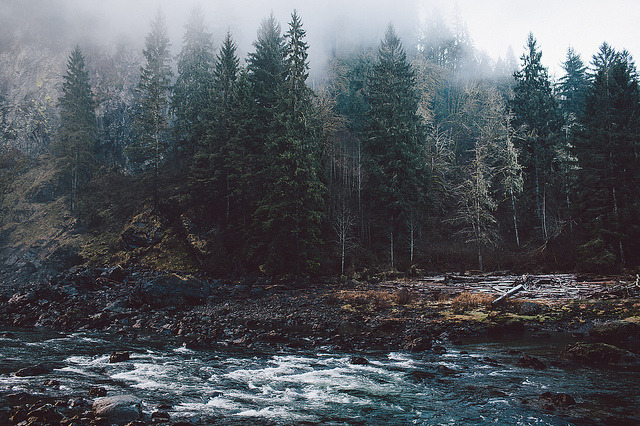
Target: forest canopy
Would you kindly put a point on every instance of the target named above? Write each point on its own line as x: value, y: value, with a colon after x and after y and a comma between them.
x: 425, y: 154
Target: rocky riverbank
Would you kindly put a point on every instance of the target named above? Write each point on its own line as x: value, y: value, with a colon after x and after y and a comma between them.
x: 261, y: 313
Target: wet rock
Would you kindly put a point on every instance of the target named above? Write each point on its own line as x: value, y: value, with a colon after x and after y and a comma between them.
x: 35, y: 370
x: 619, y: 333
x: 45, y: 414
x: 439, y: 350
x: 491, y: 361
x: 119, y: 356
x: 172, y: 290
x: 598, y: 354
x: 120, y: 409
x: 510, y: 326
x: 51, y: 383
x: 358, y: 360
x: 114, y: 273
x: 160, y: 416
x: 557, y: 400
x: 443, y: 370
x: 97, y: 392
x: 528, y: 361
x: 419, y: 344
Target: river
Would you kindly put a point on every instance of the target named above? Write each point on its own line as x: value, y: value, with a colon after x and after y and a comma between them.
x: 471, y: 383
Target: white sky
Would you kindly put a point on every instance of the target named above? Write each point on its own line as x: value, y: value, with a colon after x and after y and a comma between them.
x: 556, y: 24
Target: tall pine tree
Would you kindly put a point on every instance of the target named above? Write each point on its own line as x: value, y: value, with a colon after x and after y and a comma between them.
x: 153, y: 90
x: 288, y: 215
x: 77, y: 133
x: 393, y: 141
x: 536, y: 110
x: 607, y: 149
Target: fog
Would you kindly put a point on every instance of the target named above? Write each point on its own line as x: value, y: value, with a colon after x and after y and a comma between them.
x: 494, y: 25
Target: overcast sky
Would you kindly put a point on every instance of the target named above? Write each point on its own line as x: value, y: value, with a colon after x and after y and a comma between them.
x: 494, y: 25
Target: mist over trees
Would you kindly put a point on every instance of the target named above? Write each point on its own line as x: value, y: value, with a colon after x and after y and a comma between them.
x: 419, y: 152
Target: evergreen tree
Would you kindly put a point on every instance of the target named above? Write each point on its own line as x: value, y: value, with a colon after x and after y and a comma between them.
x: 393, y: 140
x: 289, y: 213
x: 193, y: 87
x: 77, y: 133
x: 536, y: 110
x: 211, y: 167
x: 608, y: 176
x: 572, y: 88
x: 153, y: 90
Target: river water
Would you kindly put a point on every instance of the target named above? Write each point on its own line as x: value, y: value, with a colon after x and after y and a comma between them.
x: 472, y: 383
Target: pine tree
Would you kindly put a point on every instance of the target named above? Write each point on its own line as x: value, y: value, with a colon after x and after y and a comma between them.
x: 608, y: 175
x: 77, y: 133
x: 572, y: 88
x: 153, y: 90
x: 193, y: 88
x: 393, y: 140
x: 290, y: 212
x: 536, y: 110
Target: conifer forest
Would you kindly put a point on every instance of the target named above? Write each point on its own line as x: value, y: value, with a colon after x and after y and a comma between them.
x: 405, y: 153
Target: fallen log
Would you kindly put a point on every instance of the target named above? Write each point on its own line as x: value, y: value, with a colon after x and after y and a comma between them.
x: 509, y: 293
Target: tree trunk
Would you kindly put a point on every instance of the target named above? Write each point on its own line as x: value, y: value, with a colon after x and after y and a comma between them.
x: 74, y: 178
x: 515, y: 219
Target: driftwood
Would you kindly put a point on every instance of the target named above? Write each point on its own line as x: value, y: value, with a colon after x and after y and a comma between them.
x: 543, y: 286
x: 509, y: 293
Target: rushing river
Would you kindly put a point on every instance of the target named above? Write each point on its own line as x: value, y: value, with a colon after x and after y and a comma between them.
x: 473, y: 383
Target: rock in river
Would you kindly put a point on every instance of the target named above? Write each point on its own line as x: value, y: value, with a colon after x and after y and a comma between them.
x: 120, y: 409
x: 35, y: 370
x: 119, y: 357
x: 598, y: 354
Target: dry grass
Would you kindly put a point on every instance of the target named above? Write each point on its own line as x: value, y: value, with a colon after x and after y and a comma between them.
x: 404, y: 296
x: 378, y: 299
x: 468, y: 300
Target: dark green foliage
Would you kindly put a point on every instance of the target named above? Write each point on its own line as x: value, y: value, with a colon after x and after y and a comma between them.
x: 572, y: 88
x: 285, y: 231
x: 608, y: 176
x: 192, y: 91
x: 153, y: 101
x: 393, y: 141
x: 536, y: 110
x: 77, y: 133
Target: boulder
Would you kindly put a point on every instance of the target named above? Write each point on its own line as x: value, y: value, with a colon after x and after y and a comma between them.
x: 119, y: 356
x: 619, y: 333
x: 119, y: 409
x: 144, y: 230
x: 419, y: 344
x: 557, y: 400
x: 528, y: 361
x: 358, y: 360
x: 598, y: 354
x: 114, y: 273
x: 35, y: 370
x: 172, y: 290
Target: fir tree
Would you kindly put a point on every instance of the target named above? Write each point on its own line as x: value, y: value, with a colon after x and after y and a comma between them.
x: 193, y: 88
x: 572, y: 89
x: 289, y: 213
x: 393, y: 140
x: 536, y: 110
x: 608, y: 172
x: 153, y: 90
x: 77, y: 133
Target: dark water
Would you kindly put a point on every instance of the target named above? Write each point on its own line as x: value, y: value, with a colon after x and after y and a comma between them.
x: 480, y: 386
